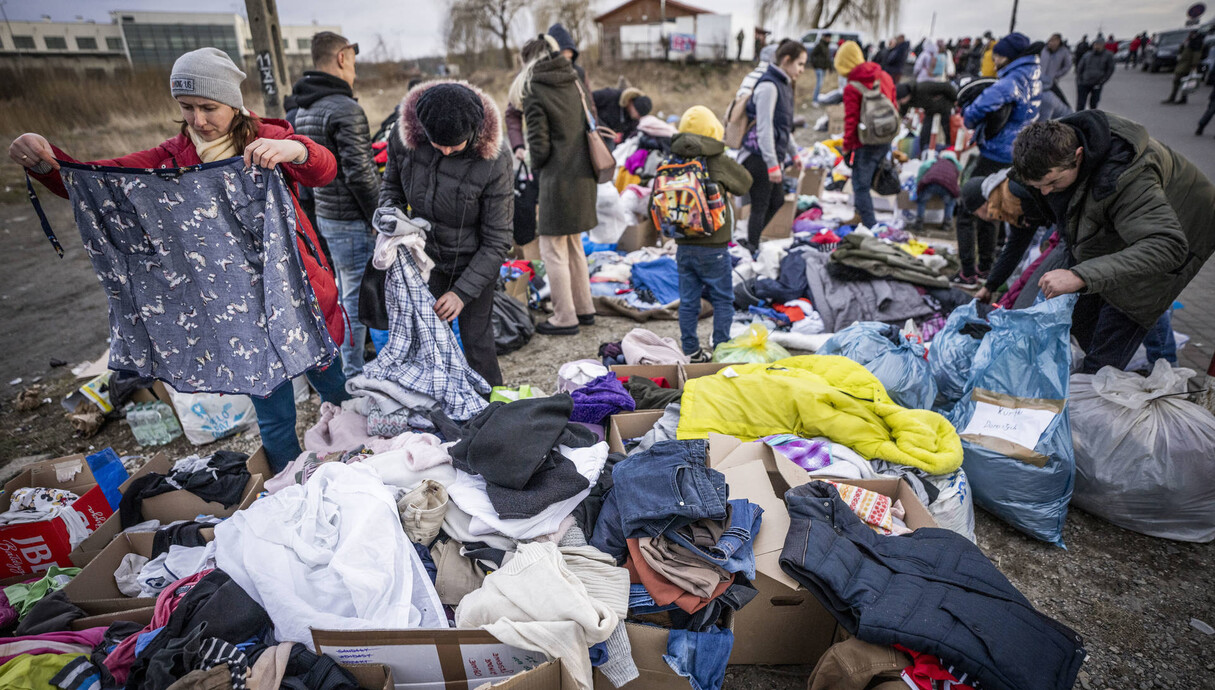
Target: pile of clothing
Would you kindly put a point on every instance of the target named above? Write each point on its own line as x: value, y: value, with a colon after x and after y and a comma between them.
x: 688, y: 549
x: 220, y: 477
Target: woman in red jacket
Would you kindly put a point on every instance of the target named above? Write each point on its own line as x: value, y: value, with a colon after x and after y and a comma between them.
x: 215, y: 125
x: 864, y: 159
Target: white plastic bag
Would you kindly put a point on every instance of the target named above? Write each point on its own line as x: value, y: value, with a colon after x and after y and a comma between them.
x: 1144, y: 453
x: 207, y: 417
x: 954, y: 507
x: 612, y: 217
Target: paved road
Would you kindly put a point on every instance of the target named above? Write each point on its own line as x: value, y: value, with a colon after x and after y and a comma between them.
x: 1136, y: 94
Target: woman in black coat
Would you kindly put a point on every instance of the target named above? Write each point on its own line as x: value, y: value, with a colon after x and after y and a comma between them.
x: 446, y: 165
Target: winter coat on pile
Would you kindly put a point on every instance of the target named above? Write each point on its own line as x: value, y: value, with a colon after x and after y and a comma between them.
x: 819, y: 395
x: 317, y: 170
x: 840, y: 301
x: 932, y: 591
x: 1139, y: 220
x: 1095, y: 68
x: 555, y: 113
x: 329, y: 115
x: 882, y: 260
x: 1019, y: 83
x: 732, y: 177
x: 868, y: 74
x: 467, y: 196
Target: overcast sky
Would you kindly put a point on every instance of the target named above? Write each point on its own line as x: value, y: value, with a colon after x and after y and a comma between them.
x: 410, y: 28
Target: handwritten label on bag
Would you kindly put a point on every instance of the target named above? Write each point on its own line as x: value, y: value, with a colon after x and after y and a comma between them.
x: 1020, y: 425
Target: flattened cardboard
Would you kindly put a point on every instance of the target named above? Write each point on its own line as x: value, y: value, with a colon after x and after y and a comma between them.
x: 371, y: 676
x: 622, y: 427
x: 35, y: 546
x: 429, y: 659
x: 650, y: 371
x: 552, y: 675
x: 781, y: 225
x: 784, y: 624
x: 687, y: 372
x: 95, y: 584
x: 635, y: 237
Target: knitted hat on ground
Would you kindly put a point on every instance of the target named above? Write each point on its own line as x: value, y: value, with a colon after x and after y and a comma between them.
x: 848, y: 57
x: 207, y: 73
x: 450, y: 113
x: 1012, y: 45
x: 700, y: 120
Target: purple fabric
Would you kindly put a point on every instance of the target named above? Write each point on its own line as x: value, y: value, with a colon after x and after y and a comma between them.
x: 601, y: 397
x: 808, y: 454
x: 636, y: 161
x: 8, y: 614
x: 800, y: 226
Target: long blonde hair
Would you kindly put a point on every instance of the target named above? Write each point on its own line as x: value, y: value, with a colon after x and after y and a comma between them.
x: 532, y: 52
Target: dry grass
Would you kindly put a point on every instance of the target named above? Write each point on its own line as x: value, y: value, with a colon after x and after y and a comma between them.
x: 102, y: 118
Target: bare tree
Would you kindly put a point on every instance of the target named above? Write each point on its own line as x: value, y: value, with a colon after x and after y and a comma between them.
x: 823, y: 14
x: 488, y: 17
x: 463, y: 29
x: 574, y: 15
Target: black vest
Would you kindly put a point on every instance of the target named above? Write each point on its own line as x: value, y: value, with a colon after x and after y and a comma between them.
x: 782, y: 116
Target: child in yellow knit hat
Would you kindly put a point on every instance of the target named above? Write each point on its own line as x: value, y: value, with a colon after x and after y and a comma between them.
x: 704, y: 262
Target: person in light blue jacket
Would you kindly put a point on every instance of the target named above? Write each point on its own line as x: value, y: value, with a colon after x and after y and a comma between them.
x: 1016, y: 93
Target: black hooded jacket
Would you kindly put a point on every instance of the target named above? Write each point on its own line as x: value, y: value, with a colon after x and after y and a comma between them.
x: 328, y: 114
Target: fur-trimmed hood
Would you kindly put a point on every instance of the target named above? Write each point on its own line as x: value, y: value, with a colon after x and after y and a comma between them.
x: 488, y: 140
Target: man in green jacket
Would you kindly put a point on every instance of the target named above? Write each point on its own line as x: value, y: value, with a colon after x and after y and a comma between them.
x: 820, y: 62
x: 1134, y: 215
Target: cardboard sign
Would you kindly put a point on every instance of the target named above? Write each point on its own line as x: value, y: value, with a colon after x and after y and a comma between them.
x: 1023, y: 426
x: 430, y: 659
x: 35, y: 546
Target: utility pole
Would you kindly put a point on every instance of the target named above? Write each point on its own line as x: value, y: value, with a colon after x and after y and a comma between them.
x: 1012, y: 25
x: 268, y: 53
x: 932, y: 28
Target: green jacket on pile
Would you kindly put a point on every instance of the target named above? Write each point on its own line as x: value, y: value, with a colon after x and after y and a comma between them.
x: 723, y: 170
x: 556, y: 144
x: 1140, y: 221
x: 882, y: 260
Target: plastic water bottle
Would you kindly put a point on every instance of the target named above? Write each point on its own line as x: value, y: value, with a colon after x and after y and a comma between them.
x: 152, y: 423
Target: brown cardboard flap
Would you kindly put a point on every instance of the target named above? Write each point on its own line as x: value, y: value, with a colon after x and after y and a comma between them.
x: 637, y: 236
x: 429, y: 658
x: 552, y: 675
x: 104, y: 620
x: 622, y: 427
x: 650, y: 371
x: 95, y: 584
x: 811, y: 182
x: 88, y: 549
x: 687, y: 372
x: 75, y: 473
x: 371, y: 676
x: 781, y: 225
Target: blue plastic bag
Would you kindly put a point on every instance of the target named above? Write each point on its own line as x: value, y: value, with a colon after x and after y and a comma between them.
x: 1024, y: 361
x: 896, y: 361
x: 109, y: 473
x: 951, y: 355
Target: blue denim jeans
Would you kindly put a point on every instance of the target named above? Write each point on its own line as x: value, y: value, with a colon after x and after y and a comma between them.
x: 818, y: 82
x: 351, y: 243
x: 276, y: 413
x: 734, y: 550
x: 701, y: 657
x: 702, y: 268
x: 941, y: 193
x: 1159, y: 341
x: 864, y: 166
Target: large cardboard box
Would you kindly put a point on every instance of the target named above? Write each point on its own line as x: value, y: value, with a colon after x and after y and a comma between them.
x: 371, y: 676
x: 627, y: 425
x: 35, y: 546
x: 430, y: 659
x: 98, y: 616
x: 649, y: 644
x: 552, y: 675
x: 643, y: 234
x: 784, y: 624
x: 174, y: 505
x: 904, y: 202
x: 781, y: 225
x: 95, y: 584
x: 811, y: 181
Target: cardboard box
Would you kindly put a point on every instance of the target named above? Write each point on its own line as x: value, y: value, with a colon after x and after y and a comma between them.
x: 687, y: 372
x: 904, y: 202
x: 627, y: 425
x: 643, y: 234
x: 371, y: 676
x: 670, y: 372
x: 811, y: 181
x: 781, y: 225
x: 430, y: 659
x: 835, y: 119
x: 784, y: 624
x: 95, y: 584
x: 172, y: 506
x: 35, y: 546
x: 517, y: 289
x: 551, y: 675
x: 99, y: 618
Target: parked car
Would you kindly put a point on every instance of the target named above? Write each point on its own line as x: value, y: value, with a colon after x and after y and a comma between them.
x: 811, y: 37
x: 1124, y: 52
x: 1162, y: 51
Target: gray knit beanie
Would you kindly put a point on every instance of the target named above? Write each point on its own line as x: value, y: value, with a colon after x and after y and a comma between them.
x: 209, y: 73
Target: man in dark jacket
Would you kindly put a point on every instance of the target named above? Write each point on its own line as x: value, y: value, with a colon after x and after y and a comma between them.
x: 446, y: 165
x: 1135, y: 217
x: 514, y: 116
x: 1093, y: 70
x: 896, y: 58
x: 621, y: 110
x: 974, y: 60
x: 328, y: 114
x: 1187, y: 60
x: 820, y: 62
x: 936, y: 98
x: 1081, y: 49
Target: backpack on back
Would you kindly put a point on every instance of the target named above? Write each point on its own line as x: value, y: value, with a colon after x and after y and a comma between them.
x: 736, y: 120
x: 685, y: 203
x: 879, y: 118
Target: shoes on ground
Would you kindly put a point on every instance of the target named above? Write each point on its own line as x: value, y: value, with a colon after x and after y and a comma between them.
x: 546, y: 328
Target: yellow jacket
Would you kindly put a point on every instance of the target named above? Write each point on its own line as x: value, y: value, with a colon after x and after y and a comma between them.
x: 818, y: 395
x: 988, y: 67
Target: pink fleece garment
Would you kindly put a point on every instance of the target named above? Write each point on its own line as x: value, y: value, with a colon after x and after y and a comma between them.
x: 66, y: 642
x: 119, y: 661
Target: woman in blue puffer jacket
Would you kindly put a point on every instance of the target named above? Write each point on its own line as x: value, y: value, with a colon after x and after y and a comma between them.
x: 1019, y: 84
